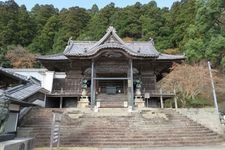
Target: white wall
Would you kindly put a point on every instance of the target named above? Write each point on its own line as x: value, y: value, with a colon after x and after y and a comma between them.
x: 48, y: 80
x: 43, y: 75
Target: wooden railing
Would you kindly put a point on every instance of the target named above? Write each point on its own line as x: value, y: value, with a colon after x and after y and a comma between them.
x: 152, y: 93
x: 66, y: 92
x: 160, y: 92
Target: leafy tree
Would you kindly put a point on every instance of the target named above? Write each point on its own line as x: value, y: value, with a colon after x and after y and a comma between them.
x: 196, y: 27
x: 99, y: 23
x: 128, y: 22
x: 94, y: 9
x: 9, y: 11
x: 40, y: 14
x: 44, y: 42
x: 25, y: 24
x: 216, y: 50
x: 72, y: 23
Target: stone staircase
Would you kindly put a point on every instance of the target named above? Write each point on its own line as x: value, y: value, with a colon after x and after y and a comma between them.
x: 148, y: 128
x: 112, y: 101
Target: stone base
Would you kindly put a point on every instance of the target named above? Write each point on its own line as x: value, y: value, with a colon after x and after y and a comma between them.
x: 130, y: 109
x: 98, y: 104
x: 96, y: 109
x: 125, y: 104
x: 18, y: 144
x: 84, y: 102
x: 139, y: 103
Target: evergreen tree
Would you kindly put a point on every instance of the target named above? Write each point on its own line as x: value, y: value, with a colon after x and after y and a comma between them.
x: 72, y: 23
x: 99, y: 23
x: 44, y: 42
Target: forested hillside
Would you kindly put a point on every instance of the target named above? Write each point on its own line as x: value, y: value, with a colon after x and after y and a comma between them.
x: 193, y: 27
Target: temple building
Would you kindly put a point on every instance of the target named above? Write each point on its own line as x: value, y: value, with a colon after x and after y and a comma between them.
x: 106, y: 73
x: 17, y: 95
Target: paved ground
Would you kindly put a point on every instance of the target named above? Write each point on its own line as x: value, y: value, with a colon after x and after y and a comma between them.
x: 172, y: 148
x: 214, y: 147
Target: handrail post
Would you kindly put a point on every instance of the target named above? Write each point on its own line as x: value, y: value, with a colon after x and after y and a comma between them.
x: 175, y: 98
x: 161, y: 99
x: 213, y: 88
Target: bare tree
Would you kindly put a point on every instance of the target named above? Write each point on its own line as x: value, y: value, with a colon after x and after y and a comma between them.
x: 190, y: 81
x: 20, y: 57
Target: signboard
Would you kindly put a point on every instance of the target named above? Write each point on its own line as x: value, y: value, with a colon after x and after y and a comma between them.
x: 55, y: 129
x: 147, y: 95
x: 129, y: 83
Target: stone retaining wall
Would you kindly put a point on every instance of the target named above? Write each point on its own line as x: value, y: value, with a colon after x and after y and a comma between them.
x: 204, y: 116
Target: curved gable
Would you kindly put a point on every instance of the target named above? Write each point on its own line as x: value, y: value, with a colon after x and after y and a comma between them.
x: 111, y: 41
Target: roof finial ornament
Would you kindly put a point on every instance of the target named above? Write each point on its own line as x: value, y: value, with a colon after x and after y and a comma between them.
x: 152, y: 41
x: 111, y: 28
x: 70, y: 41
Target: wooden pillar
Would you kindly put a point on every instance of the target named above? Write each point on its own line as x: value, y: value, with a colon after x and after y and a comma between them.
x: 45, y: 99
x: 175, y: 99
x: 61, y: 99
x: 92, y: 85
x: 61, y: 102
x: 161, y: 99
x: 130, y: 84
x: 124, y: 86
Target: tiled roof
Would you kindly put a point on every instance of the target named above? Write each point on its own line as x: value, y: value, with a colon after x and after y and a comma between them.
x: 15, y: 101
x: 29, y: 87
x: 13, y: 74
x: 23, y: 91
x: 160, y: 57
x: 59, y: 56
x: 143, y: 49
x: 113, y: 41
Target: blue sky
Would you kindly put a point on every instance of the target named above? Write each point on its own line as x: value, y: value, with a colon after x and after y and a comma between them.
x: 88, y: 3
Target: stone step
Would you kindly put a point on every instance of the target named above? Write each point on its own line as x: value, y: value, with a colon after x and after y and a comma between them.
x: 116, y: 127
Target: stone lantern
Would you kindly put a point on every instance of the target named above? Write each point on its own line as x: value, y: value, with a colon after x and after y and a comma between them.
x: 139, y: 102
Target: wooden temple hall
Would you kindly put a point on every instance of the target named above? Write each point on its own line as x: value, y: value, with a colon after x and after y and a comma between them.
x: 107, y: 73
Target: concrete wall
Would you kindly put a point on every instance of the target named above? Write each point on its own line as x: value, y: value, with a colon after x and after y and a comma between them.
x: 204, y: 116
x: 48, y: 80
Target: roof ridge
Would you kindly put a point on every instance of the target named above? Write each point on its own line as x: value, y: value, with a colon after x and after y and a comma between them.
x: 77, y: 41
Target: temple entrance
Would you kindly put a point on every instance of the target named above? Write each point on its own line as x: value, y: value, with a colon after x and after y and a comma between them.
x: 111, y: 87
x: 111, y: 93
x: 111, y: 75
